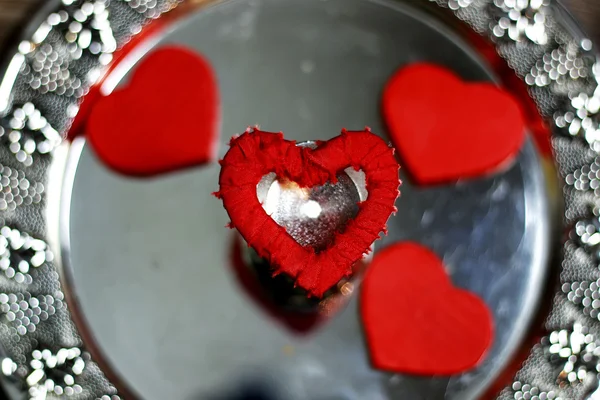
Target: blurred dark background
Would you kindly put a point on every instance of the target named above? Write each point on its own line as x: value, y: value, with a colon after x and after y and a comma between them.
x: 588, y: 13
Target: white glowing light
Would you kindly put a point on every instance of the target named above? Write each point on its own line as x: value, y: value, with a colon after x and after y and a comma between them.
x: 7, y: 83
x: 35, y: 377
x: 311, y: 209
x: 272, y: 201
x: 594, y: 239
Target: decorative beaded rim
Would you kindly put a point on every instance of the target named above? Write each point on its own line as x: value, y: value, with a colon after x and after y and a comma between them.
x: 52, y: 69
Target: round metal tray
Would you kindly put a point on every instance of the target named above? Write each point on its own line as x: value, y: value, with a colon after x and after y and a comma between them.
x: 144, y: 265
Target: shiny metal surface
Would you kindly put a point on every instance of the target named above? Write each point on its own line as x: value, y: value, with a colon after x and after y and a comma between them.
x: 312, y: 216
x: 151, y: 258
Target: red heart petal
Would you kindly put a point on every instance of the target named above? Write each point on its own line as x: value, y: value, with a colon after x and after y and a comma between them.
x: 446, y: 129
x: 415, y: 321
x: 163, y: 120
x: 256, y: 154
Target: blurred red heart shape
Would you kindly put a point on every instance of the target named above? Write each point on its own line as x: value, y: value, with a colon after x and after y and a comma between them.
x: 446, y: 129
x: 164, y: 120
x: 415, y: 321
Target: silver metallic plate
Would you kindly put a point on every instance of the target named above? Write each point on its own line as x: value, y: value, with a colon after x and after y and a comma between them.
x: 147, y: 300
x: 319, y: 66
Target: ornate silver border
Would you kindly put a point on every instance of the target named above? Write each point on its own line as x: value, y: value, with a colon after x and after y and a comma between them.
x: 54, y: 67
x: 41, y: 88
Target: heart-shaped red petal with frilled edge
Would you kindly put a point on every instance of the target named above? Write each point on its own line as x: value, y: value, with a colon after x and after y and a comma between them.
x: 255, y: 154
x: 446, y: 129
x: 415, y: 321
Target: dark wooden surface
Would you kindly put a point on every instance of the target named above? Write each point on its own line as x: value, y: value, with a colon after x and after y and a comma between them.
x: 12, y: 13
x: 588, y: 14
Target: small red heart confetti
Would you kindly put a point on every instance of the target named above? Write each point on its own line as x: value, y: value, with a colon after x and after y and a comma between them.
x: 446, y: 129
x: 255, y: 154
x: 415, y: 321
x: 163, y: 120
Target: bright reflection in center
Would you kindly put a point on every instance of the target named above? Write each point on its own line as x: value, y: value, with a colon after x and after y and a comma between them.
x: 272, y: 201
x: 290, y: 193
x: 311, y: 209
